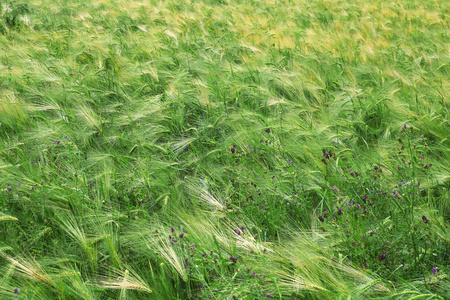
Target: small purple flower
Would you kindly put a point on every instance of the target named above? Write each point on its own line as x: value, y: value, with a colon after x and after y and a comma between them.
x: 57, y: 142
x: 435, y: 269
x: 268, y: 130
x: 32, y: 161
x: 181, y: 235
x: 364, y: 198
x: 254, y: 274
x: 339, y: 211
x: 400, y: 184
x: 321, y: 219
x: 334, y: 188
x: 268, y: 296
x: 9, y: 187
x: 204, y: 254
x: 200, y: 288
x: 394, y: 192
x: 233, y: 150
x: 233, y: 259
x: 16, y: 290
x: 382, y: 256
x: 171, y: 229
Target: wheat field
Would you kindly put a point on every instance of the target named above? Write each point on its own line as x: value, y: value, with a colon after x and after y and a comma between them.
x: 224, y: 149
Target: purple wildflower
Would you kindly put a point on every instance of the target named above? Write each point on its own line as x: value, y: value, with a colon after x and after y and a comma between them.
x: 32, y: 161
x: 16, y: 290
x: 233, y: 259
x: 204, y: 254
x: 254, y: 274
x: 364, y: 198
x: 435, y: 269
x: 382, y: 256
x: 268, y: 130
x: 181, y: 235
x: 268, y: 296
x: 9, y: 187
x: 171, y: 229
x: 321, y: 219
x: 335, y: 188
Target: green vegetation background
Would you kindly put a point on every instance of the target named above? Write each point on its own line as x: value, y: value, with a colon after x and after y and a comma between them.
x: 124, y: 122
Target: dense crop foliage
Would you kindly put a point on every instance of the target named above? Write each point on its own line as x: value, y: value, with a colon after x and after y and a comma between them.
x: 224, y: 149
